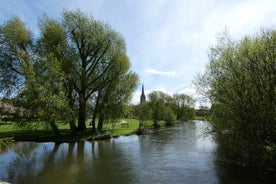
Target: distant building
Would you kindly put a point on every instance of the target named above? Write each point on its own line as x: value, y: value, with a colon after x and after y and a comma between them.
x: 143, y: 96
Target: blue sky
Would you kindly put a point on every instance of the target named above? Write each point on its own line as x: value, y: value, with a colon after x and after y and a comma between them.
x: 167, y: 40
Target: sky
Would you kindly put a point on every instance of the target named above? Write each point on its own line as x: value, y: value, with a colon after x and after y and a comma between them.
x: 167, y: 40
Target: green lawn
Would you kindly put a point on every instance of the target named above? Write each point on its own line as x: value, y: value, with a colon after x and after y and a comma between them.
x: 38, y: 132
x: 119, y: 129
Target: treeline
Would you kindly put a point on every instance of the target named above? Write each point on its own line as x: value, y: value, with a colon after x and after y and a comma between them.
x: 240, y: 82
x: 75, y: 67
x: 164, y: 107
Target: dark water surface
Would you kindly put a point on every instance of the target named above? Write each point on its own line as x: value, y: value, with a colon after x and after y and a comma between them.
x: 179, y: 154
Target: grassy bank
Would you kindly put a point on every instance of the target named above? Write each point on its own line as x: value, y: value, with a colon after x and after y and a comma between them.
x: 40, y: 133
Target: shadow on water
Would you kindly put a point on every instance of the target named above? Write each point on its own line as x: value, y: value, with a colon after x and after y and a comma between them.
x: 230, y: 173
x: 179, y: 154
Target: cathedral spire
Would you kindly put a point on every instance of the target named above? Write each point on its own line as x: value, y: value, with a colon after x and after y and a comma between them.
x: 143, y: 96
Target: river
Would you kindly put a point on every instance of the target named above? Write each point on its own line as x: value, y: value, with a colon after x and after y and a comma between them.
x: 184, y: 153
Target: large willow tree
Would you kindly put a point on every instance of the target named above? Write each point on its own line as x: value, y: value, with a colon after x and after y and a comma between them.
x: 97, y: 49
x: 72, y: 61
x: 240, y: 81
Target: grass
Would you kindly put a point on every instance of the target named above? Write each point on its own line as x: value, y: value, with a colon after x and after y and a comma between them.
x: 118, y: 129
x: 38, y: 132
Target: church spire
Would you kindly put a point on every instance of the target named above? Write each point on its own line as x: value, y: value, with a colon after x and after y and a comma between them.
x: 143, y: 96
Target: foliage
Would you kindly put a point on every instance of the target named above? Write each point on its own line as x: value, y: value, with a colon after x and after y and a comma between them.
x: 142, y: 111
x: 99, y: 59
x: 15, y: 56
x: 164, y: 107
x: 240, y: 81
x: 115, y: 95
x: 183, y: 106
x: 6, y: 142
x: 74, y: 60
x: 169, y: 116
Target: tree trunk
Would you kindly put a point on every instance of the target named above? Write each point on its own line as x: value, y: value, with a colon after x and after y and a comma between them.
x: 82, y: 113
x: 100, y: 123
x: 55, y: 128
x: 95, y: 112
x: 73, y: 126
x: 93, y: 122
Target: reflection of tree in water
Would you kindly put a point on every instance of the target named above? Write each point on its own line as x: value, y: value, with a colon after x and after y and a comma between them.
x: 41, y: 166
x: 26, y: 165
x: 25, y: 148
x: 82, y: 162
x: 110, y: 164
x: 60, y: 166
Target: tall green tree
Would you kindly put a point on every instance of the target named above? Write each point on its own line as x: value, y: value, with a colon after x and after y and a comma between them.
x: 116, y: 98
x: 95, y: 46
x: 16, y: 61
x: 240, y: 81
x: 71, y: 62
x: 34, y: 78
x: 53, y: 44
x: 111, y: 99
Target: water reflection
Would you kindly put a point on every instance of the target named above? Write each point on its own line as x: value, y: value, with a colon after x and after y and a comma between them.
x: 180, y: 154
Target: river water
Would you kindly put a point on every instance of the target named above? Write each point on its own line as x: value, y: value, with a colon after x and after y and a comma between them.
x: 180, y: 154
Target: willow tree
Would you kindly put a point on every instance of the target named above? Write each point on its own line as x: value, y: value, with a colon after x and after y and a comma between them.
x: 54, y: 75
x: 112, y: 99
x: 95, y: 46
x: 53, y: 43
x: 240, y: 81
x: 31, y: 78
x: 16, y: 51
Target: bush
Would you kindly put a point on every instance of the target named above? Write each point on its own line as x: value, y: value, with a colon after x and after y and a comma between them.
x: 169, y: 117
x: 241, y: 83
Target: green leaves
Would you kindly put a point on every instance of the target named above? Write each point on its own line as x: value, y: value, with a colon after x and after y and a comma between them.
x: 72, y: 61
x: 240, y: 81
x: 162, y: 106
x: 15, y: 55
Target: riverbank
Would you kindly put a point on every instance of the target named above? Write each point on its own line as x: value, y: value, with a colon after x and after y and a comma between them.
x: 38, y: 133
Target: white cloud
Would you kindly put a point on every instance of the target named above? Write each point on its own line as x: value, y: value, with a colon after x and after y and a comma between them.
x: 191, y: 91
x: 158, y: 72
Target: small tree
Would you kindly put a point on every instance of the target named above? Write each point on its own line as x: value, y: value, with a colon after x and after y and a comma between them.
x: 157, y: 106
x: 183, y: 107
x: 169, y: 116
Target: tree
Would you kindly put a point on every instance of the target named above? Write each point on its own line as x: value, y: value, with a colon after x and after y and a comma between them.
x: 16, y: 49
x: 34, y: 77
x: 142, y: 112
x: 183, y: 107
x: 112, y: 98
x: 53, y: 43
x: 240, y: 81
x: 95, y: 46
x: 157, y: 106
x: 170, y: 108
x: 169, y: 116
x: 72, y: 62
